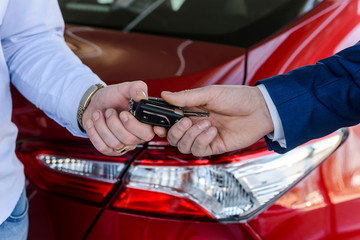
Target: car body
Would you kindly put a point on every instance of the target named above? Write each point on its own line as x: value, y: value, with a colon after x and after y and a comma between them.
x: 155, y: 192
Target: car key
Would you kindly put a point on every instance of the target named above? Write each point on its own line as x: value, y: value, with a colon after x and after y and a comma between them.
x: 157, y: 112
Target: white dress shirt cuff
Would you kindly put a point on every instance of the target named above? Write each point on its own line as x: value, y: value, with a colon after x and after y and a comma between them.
x: 278, y: 134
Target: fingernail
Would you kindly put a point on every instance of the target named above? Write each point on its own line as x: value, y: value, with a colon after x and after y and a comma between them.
x: 166, y: 92
x: 89, y: 124
x: 184, y: 124
x: 96, y: 115
x: 124, y: 117
x: 210, y: 131
x: 203, y: 125
x: 142, y: 93
x: 108, y: 113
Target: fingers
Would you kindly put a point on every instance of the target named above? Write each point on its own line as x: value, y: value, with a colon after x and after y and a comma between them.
x: 110, y: 134
x: 96, y: 140
x: 160, y: 131
x: 114, y: 134
x: 138, y: 90
x: 142, y: 131
x: 117, y: 96
x: 202, y: 143
x: 177, y: 131
x: 189, y: 98
x: 195, y: 139
x: 186, y: 142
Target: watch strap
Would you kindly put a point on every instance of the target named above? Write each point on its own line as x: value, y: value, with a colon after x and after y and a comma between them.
x: 84, y: 102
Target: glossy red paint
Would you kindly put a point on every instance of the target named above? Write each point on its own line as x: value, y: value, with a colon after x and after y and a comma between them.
x: 117, y: 56
x: 150, y: 228
x: 302, y: 213
x: 315, y: 36
x: 56, y: 217
x: 343, y: 187
x: 321, y: 206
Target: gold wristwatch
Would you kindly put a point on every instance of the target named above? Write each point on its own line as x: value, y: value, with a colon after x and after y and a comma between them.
x: 84, y: 102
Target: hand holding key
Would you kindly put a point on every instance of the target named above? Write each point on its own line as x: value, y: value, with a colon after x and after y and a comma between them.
x: 157, y: 112
x: 238, y: 118
x: 109, y: 125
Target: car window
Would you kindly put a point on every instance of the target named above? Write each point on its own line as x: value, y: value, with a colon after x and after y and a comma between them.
x: 237, y: 22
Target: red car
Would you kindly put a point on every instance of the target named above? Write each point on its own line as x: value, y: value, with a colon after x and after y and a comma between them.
x: 155, y: 192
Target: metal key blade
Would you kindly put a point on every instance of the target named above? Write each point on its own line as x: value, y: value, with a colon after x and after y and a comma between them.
x: 192, y: 113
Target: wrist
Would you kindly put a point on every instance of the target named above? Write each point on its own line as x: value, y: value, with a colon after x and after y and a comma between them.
x: 268, y: 122
x: 277, y: 134
x: 85, y: 101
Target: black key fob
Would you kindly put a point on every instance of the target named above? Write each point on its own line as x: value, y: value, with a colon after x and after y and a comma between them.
x: 156, y: 112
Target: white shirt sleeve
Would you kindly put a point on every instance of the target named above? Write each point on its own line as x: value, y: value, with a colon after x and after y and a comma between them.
x: 40, y: 64
x: 278, y: 134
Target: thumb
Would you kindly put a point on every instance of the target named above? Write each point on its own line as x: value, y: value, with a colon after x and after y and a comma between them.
x: 138, y: 90
x: 188, y: 98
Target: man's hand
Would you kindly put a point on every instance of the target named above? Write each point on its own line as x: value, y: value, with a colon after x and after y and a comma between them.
x: 238, y: 118
x: 108, y: 123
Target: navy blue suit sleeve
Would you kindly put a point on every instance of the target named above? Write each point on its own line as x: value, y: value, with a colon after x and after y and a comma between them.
x: 316, y: 100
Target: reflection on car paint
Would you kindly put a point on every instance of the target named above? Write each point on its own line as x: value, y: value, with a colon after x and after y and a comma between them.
x: 91, y: 49
x: 180, y: 50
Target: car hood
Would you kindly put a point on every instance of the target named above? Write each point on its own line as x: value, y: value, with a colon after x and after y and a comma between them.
x: 163, y: 63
